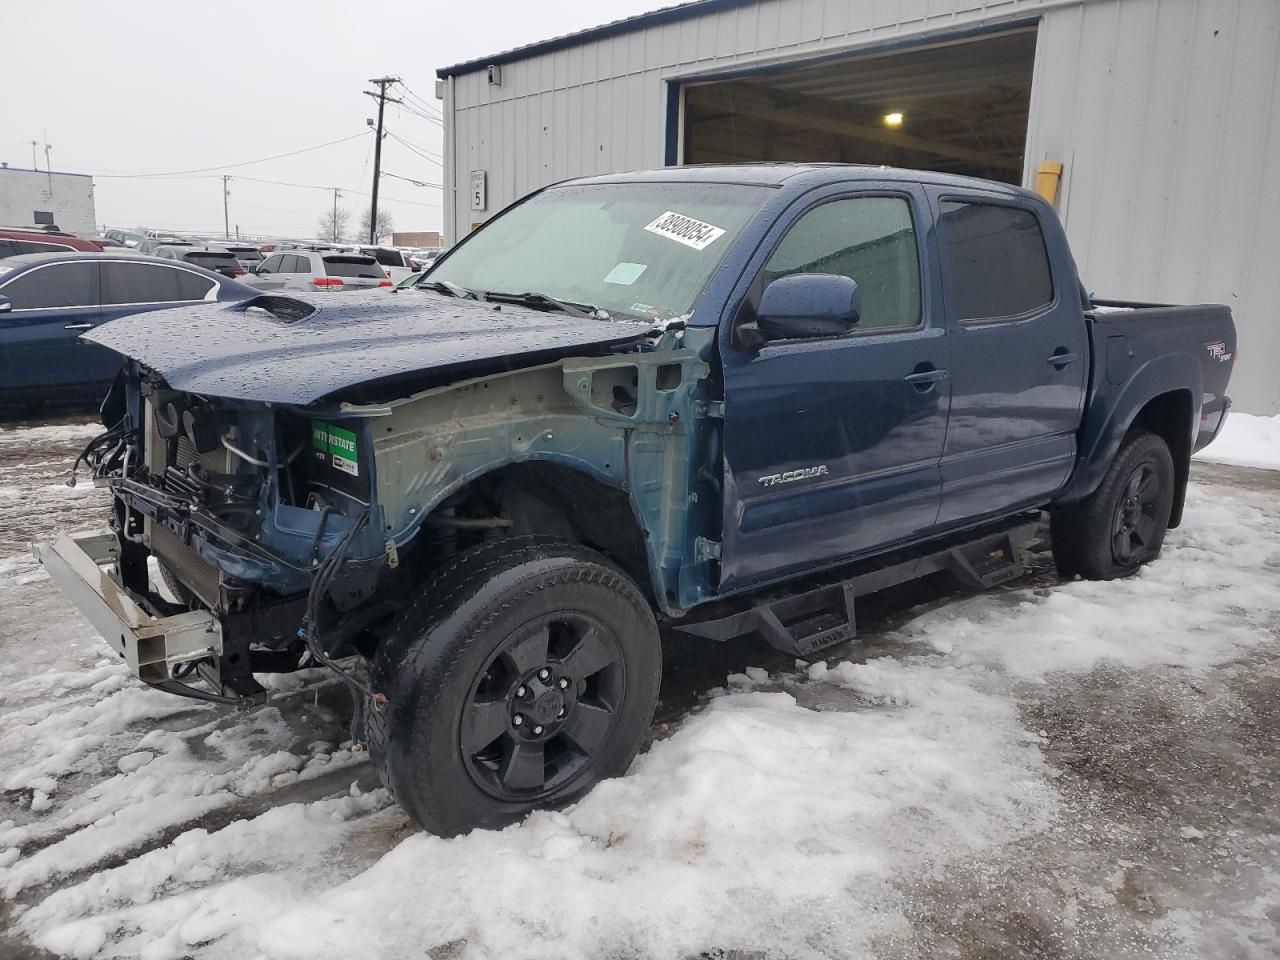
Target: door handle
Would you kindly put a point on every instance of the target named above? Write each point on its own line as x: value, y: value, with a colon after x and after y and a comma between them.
x: 78, y: 326
x: 925, y: 377
x: 1060, y: 359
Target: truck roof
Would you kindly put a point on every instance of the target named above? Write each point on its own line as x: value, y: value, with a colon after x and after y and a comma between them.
x: 798, y: 174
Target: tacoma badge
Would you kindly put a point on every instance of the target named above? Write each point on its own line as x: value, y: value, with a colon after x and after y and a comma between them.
x: 791, y: 476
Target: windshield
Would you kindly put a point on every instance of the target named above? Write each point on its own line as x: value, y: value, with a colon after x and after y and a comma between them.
x: 638, y: 250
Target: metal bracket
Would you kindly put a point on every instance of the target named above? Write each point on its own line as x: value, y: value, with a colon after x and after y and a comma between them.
x: 704, y: 549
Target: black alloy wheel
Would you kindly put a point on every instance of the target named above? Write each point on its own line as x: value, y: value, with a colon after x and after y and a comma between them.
x: 1136, y: 515
x: 543, y: 707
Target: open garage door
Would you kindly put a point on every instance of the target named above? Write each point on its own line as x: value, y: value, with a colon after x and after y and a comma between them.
x: 959, y: 107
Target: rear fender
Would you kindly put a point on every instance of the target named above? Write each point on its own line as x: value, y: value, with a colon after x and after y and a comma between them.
x: 1113, y: 409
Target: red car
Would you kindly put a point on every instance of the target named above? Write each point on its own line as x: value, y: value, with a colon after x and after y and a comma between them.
x: 15, y: 242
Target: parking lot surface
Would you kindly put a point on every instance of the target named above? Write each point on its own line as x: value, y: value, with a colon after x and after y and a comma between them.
x: 1057, y: 770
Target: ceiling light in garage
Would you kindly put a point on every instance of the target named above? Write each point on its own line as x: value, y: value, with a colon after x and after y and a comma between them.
x: 893, y: 120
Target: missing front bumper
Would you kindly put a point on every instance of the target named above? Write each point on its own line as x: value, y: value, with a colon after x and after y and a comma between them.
x: 152, y: 646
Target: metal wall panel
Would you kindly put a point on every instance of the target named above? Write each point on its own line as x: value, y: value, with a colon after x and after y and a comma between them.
x: 626, y: 122
x: 1165, y: 113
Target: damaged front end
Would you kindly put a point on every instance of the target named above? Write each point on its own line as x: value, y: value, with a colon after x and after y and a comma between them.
x: 259, y: 520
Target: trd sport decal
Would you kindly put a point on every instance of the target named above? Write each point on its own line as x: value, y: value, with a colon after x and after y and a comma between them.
x: 1218, y: 351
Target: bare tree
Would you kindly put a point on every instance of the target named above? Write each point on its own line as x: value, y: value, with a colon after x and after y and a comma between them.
x: 335, y: 223
x: 385, y: 226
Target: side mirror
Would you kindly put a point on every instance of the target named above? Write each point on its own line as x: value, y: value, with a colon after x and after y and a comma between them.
x: 6, y: 305
x: 806, y: 305
x: 254, y: 268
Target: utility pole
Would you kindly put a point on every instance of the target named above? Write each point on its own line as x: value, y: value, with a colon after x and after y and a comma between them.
x: 334, y: 224
x: 382, y: 98
x: 226, y: 218
x: 35, y: 164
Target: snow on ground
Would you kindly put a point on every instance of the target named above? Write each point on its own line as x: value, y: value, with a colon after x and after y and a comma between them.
x: 1246, y: 441
x: 948, y: 788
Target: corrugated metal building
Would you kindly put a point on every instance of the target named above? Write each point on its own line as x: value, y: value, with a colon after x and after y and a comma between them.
x: 1164, y: 114
x: 37, y: 198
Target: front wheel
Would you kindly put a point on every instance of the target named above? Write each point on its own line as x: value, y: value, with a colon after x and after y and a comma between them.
x: 526, y: 671
x: 1121, y: 525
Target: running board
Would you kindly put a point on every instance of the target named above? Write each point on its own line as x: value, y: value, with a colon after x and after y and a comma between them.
x: 821, y: 613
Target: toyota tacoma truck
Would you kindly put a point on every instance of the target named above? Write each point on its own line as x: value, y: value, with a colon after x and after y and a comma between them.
x: 724, y: 400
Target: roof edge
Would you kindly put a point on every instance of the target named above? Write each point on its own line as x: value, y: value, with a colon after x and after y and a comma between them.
x: 654, y: 18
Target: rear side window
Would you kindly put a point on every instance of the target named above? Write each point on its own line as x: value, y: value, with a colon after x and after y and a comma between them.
x: 997, y: 263
x: 60, y: 285
x: 353, y: 267
x: 150, y: 283
x: 872, y: 241
x: 298, y: 264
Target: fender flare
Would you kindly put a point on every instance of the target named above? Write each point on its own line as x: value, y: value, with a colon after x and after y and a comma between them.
x: 1110, y: 415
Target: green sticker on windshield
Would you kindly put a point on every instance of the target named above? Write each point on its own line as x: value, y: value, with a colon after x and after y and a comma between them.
x: 339, y: 444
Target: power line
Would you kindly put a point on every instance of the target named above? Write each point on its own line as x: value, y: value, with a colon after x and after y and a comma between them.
x: 226, y: 166
x: 409, y: 146
x: 416, y: 183
x: 421, y: 102
x: 417, y: 112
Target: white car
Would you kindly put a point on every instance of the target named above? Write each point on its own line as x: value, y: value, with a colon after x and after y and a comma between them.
x: 395, y: 263
x: 317, y: 270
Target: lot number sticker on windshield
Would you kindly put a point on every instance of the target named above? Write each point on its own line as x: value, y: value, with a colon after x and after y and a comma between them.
x: 686, y: 230
x: 339, y: 444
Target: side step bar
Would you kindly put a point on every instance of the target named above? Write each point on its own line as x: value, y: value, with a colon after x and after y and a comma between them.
x: 811, y: 619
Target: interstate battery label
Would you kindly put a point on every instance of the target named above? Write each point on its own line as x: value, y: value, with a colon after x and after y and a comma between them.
x: 338, y: 445
x: 686, y: 230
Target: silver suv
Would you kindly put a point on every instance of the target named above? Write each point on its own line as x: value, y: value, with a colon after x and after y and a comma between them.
x: 317, y: 270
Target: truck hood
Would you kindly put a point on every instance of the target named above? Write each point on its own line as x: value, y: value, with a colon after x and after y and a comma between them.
x: 253, y: 350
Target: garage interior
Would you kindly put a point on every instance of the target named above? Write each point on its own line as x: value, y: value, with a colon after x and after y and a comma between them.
x: 958, y: 107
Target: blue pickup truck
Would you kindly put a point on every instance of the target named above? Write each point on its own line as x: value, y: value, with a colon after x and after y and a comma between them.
x: 721, y: 400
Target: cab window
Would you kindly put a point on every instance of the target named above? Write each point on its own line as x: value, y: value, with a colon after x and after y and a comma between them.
x: 871, y: 240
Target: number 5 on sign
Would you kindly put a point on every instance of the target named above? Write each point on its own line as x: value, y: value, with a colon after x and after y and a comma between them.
x: 479, y: 191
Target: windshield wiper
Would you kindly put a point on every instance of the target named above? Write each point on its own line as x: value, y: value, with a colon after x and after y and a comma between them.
x: 449, y: 287
x: 583, y: 311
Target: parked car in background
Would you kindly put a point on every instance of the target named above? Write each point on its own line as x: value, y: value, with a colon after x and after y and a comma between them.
x: 162, y: 235
x: 392, y: 261
x: 317, y: 270
x: 18, y: 241
x: 247, y: 254
x: 126, y: 238
x: 47, y: 300
x: 152, y: 244
x: 210, y: 257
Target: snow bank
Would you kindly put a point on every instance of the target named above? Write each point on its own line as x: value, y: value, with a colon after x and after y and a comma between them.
x: 786, y: 820
x: 52, y: 433
x: 1246, y: 441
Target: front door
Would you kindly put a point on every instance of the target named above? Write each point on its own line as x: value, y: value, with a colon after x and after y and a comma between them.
x: 832, y: 444
x: 1019, y: 358
x: 41, y: 355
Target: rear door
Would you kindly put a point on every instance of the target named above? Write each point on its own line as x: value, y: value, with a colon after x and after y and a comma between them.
x: 831, y: 444
x: 40, y: 354
x: 1018, y: 355
x: 138, y: 287
x: 270, y: 275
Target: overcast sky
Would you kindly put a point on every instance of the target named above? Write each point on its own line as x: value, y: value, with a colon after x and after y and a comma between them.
x: 159, y: 87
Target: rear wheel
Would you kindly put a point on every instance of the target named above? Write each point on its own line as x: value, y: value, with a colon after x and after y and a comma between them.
x: 526, y: 672
x: 1122, y: 524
